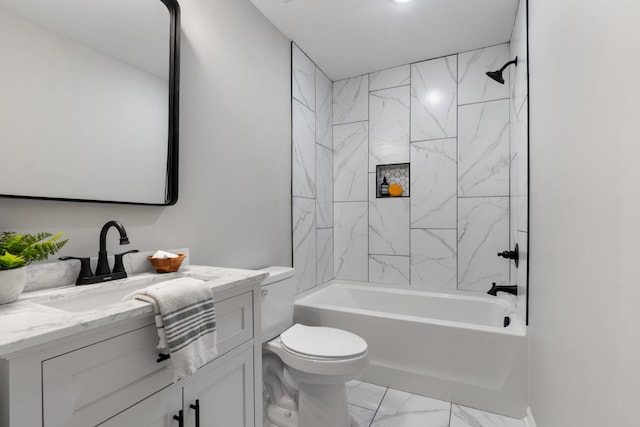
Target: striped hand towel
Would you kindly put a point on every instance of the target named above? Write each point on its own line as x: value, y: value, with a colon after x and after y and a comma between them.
x: 186, y: 322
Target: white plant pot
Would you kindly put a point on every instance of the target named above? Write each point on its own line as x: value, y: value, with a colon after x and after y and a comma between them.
x: 12, y: 284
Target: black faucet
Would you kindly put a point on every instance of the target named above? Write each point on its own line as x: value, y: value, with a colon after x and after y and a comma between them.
x: 103, y: 272
x: 510, y: 289
x: 103, y: 264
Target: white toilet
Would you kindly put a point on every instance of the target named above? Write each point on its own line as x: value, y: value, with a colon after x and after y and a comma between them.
x: 304, y: 367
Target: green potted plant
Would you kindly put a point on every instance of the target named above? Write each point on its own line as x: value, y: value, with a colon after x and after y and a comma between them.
x: 16, y: 252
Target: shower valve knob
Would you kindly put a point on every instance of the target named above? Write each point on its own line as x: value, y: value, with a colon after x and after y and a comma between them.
x: 514, y: 255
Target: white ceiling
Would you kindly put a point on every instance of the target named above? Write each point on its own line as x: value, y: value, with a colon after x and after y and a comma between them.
x: 347, y: 38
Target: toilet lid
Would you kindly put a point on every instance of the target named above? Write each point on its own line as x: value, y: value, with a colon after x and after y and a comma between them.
x: 319, y: 341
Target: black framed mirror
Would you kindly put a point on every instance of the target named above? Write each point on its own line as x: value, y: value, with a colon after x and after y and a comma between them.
x: 89, y: 105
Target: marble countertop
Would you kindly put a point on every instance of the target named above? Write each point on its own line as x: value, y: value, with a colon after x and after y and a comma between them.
x: 43, y: 316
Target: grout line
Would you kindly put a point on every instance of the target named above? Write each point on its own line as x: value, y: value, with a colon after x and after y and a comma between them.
x: 387, y: 88
x: 483, y: 102
x: 411, y: 201
x: 434, y: 139
x: 457, y: 173
x: 360, y: 406
x: 350, y: 123
x: 368, y: 177
x: 394, y: 255
x: 379, y: 405
x: 481, y: 197
x: 303, y: 197
x: 434, y: 228
x: 291, y: 148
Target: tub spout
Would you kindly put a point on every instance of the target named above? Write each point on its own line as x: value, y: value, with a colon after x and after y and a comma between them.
x: 510, y: 289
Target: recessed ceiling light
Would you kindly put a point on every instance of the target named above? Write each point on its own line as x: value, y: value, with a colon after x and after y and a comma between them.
x: 401, y: 1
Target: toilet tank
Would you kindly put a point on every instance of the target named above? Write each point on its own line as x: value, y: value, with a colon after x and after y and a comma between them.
x: 277, y: 297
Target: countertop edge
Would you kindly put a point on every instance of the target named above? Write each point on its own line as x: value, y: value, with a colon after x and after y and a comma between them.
x: 66, y: 324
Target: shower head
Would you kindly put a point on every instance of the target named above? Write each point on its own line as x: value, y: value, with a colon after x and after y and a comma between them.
x: 497, y: 75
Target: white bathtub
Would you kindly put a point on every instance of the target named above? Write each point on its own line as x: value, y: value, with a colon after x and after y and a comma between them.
x: 448, y: 346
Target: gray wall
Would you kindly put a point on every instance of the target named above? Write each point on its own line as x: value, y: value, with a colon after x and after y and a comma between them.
x: 235, y: 153
x: 584, y: 324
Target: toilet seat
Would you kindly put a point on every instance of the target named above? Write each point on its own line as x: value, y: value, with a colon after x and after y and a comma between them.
x: 349, y: 361
x: 322, y: 343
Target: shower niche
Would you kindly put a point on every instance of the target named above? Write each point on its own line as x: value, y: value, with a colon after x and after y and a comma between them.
x: 392, y: 180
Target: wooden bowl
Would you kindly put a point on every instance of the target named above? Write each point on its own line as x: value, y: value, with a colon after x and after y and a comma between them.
x: 167, y: 265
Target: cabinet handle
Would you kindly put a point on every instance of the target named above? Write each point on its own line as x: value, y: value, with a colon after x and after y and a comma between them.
x: 179, y: 418
x: 196, y: 407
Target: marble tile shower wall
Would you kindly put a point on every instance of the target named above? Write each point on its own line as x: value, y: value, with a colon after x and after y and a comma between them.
x: 519, y: 119
x: 312, y: 172
x: 451, y: 122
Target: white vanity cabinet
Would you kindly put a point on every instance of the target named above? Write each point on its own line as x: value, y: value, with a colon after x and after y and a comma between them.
x: 111, y: 377
x: 219, y: 395
x: 157, y: 410
x: 223, y: 394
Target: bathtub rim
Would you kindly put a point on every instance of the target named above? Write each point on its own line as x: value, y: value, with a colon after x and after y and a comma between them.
x: 516, y: 328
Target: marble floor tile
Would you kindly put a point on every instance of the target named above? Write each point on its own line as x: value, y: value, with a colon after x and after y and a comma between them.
x: 361, y: 416
x: 462, y: 416
x: 365, y: 395
x: 401, y: 409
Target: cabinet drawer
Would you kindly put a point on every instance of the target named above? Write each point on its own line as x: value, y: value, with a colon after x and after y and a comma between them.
x: 234, y: 321
x: 89, y: 385
x: 86, y: 386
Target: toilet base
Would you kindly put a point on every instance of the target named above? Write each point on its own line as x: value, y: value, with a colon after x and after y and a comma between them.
x: 323, y: 405
x: 311, y: 389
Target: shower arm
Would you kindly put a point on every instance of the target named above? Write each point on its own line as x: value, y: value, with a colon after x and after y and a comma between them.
x: 514, y: 62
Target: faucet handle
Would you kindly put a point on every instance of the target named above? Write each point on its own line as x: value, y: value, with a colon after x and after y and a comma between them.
x: 118, y: 266
x: 85, y: 265
x: 514, y: 255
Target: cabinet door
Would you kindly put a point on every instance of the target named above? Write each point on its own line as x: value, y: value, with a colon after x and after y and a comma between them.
x: 224, y: 392
x: 157, y: 410
x: 89, y: 385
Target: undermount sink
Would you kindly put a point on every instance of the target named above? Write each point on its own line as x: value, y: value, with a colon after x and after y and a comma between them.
x: 92, y: 297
